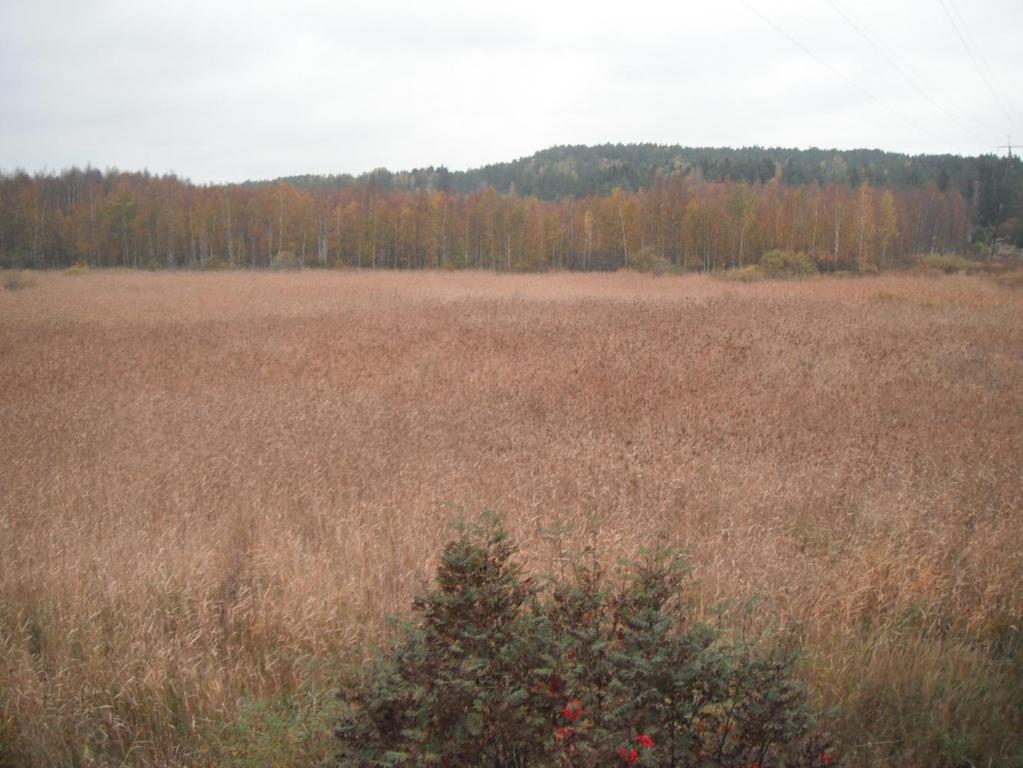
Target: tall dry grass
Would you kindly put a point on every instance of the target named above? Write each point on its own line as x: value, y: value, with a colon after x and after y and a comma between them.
x: 215, y: 488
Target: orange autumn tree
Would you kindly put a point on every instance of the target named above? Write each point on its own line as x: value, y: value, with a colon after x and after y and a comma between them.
x: 685, y: 222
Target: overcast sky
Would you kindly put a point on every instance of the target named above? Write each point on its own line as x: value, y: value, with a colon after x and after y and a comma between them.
x: 227, y: 91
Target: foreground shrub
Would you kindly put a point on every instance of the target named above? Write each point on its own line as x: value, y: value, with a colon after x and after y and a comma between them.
x: 496, y: 671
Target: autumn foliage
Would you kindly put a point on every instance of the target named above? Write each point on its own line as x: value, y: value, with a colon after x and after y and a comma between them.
x: 682, y: 223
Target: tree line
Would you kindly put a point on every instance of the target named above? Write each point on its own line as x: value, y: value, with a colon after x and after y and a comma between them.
x: 685, y: 220
x: 992, y: 185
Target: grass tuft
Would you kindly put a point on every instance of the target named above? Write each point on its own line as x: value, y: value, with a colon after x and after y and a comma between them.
x: 15, y: 280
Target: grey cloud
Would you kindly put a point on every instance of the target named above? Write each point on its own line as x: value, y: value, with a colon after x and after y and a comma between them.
x: 232, y: 90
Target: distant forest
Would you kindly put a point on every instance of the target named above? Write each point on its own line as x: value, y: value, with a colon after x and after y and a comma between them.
x: 564, y: 208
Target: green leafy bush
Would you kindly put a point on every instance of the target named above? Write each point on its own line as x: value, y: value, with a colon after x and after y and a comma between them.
x: 498, y: 671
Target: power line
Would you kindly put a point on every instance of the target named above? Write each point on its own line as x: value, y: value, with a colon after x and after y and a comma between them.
x: 983, y: 59
x: 836, y: 71
x: 976, y: 64
x: 875, y: 42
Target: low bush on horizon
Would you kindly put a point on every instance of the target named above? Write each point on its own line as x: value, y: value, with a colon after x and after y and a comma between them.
x: 216, y: 264
x: 285, y: 260
x: 748, y: 274
x: 500, y: 671
x: 949, y: 263
x: 780, y: 263
x: 649, y: 261
x: 773, y: 265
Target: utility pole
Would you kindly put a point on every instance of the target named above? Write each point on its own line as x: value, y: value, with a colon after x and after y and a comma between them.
x: 1007, y: 146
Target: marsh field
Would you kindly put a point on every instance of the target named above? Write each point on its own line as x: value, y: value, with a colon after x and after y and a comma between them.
x: 216, y: 488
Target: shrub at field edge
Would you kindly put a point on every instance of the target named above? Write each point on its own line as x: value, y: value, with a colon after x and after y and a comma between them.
x: 498, y: 671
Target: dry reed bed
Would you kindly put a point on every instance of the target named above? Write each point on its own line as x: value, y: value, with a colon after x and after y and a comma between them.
x: 208, y: 481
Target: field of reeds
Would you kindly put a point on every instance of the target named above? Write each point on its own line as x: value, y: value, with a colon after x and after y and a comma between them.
x: 216, y: 488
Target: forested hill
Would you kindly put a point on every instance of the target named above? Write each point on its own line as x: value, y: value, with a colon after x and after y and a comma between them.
x: 580, y: 171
